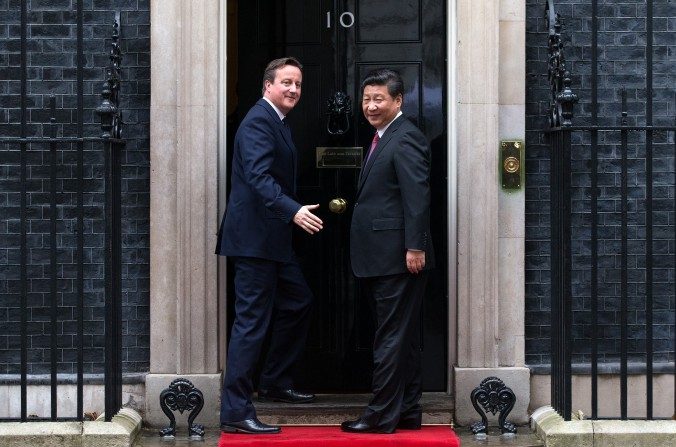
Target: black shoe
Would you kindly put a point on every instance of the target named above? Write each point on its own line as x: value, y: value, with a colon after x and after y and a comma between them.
x: 360, y: 426
x: 410, y: 422
x: 251, y: 426
x: 411, y: 419
x: 288, y: 396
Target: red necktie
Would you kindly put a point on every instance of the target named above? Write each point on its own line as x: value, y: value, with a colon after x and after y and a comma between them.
x: 374, y: 143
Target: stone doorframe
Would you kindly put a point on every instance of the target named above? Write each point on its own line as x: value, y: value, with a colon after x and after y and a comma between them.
x: 486, y: 103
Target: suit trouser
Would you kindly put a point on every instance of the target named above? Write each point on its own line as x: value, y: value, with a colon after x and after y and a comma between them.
x: 262, y: 286
x: 397, y: 382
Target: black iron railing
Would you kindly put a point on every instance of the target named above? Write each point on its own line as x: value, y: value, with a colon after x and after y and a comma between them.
x: 581, y: 145
x: 108, y: 147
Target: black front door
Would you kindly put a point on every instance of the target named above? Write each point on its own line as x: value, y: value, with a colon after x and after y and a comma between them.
x: 338, y: 42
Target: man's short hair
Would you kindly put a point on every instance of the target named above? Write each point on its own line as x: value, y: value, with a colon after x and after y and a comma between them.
x: 385, y: 76
x: 273, y: 66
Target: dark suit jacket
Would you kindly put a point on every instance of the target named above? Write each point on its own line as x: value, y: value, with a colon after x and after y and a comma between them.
x: 392, y: 206
x: 258, y: 218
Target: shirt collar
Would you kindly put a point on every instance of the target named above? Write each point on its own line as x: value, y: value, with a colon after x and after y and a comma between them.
x: 382, y: 131
x: 274, y: 107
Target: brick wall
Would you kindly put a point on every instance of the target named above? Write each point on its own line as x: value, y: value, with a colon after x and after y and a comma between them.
x: 52, y: 70
x: 622, y: 63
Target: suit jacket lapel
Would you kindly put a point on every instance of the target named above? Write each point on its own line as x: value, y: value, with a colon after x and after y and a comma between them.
x: 382, y: 146
x: 284, y: 130
x: 286, y: 134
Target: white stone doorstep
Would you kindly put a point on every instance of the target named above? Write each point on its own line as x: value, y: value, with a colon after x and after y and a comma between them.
x: 555, y: 432
x: 120, y: 432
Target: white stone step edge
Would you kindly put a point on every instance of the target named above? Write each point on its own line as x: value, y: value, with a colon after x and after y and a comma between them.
x: 122, y: 431
x: 554, y: 431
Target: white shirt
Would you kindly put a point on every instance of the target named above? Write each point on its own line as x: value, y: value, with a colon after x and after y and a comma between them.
x: 382, y: 131
x: 274, y: 107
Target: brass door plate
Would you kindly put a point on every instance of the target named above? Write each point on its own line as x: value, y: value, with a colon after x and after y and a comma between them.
x: 339, y: 157
x: 511, y: 164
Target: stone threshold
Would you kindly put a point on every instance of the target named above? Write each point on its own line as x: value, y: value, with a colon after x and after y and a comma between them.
x: 70, y: 379
x: 523, y: 438
x: 330, y: 409
x: 122, y: 431
x: 555, y: 432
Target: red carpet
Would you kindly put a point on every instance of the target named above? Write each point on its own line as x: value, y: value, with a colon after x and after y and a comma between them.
x: 331, y: 436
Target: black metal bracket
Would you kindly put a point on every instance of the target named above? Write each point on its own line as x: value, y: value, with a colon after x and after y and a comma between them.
x: 109, y: 109
x: 562, y: 98
x: 182, y: 396
x: 493, y: 396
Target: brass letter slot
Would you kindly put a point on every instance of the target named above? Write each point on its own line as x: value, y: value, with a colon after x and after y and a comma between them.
x: 339, y: 157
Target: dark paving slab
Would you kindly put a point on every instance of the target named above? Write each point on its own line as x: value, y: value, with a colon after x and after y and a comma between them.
x: 523, y: 438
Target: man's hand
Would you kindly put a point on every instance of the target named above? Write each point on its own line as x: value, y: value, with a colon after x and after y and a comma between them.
x: 308, y: 221
x: 415, y: 260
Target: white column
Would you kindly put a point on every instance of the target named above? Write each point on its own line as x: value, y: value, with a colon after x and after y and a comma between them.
x: 511, y: 215
x: 491, y: 98
x: 183, y: 210
x: 477, y: 182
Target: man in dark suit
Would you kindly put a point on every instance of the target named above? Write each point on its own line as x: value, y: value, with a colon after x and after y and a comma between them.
x: 256, y: 234
x: 391, y: 252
